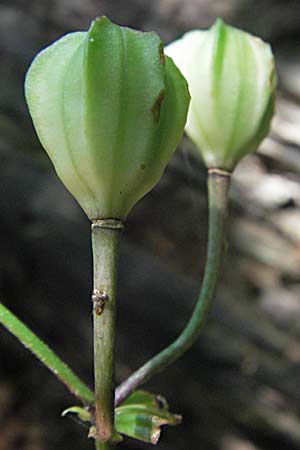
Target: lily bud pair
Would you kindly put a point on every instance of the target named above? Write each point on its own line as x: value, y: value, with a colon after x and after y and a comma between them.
x: 110, y: 108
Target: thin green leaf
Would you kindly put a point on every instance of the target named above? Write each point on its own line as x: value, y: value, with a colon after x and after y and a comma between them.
x: 44, y: 353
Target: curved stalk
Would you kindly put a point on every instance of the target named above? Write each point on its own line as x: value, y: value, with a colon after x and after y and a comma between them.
x: 218, y: 185
x: 45, y: 355
x: 105, y: 240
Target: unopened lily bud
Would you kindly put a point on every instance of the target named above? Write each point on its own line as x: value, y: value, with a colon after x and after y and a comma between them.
x: 109, y: 108
x: 231, y: 78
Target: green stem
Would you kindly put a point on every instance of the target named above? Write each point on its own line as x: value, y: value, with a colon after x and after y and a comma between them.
x: 45, y: 355
x: 102, y: 445
x: 218, y: 185
x: 105, y: 240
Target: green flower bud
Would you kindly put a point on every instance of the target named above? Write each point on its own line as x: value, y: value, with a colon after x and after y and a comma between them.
x: 109, y: 108
x: 231, y: 77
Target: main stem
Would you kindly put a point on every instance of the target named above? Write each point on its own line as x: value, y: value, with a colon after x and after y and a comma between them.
x: 218, y: 185
x: 105, y: 241
x: 102, y: 445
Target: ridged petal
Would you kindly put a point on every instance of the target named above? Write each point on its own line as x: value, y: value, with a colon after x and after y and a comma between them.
x: 110, y: 111
x: 231, y: 79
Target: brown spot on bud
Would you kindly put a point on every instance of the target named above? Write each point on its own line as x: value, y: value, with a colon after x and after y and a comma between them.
x: 161, y: 53
x: 156, y: 108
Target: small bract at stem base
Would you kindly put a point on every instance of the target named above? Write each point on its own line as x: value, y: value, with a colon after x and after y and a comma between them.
x: 105, y: 242
x: 218, y: 186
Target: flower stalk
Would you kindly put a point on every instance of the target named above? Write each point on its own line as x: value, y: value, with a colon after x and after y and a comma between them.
x: 218, y: 186
x: 105, y: 242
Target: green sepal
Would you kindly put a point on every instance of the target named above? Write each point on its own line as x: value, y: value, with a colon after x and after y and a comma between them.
x: 142, y: 415
x: 83, y: 413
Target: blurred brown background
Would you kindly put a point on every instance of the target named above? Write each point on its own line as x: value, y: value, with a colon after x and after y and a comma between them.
x: 239, y: 388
